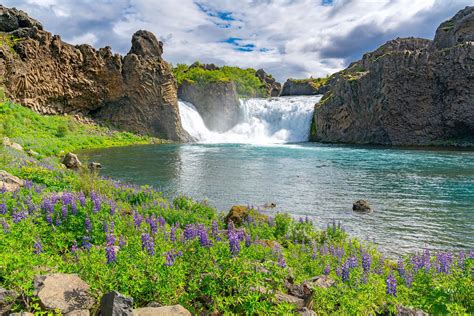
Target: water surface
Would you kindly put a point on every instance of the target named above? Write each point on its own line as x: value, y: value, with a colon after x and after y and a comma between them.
x: 422, y: 198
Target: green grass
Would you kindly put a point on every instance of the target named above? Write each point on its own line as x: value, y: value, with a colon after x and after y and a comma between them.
x: 50, y: 135
x: 247, y: 84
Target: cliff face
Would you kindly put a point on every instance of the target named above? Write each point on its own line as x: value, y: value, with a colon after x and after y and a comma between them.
x: 272, y: 87
x: 136, y: 92
x: 216, y: 102
x: 408, y: 92
x: 303, y: 87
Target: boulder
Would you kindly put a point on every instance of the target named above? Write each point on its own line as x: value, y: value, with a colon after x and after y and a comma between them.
x: 12, y: 19
x: 71, y: 161
x: 161, y: 311
x: 361, y: 206
x: 115, y: 304
x: 79, y: 312
x: 237, y: 214
x: 7, y: 298
x: 16, y: 146
x: 32, y: 153
x: 8, y: 182
x: 22, y: 314
x: 64, y: 292
x: 299, y: 303
x: 6, y: 142
x: 322, y: 281
x: 94, y: 166
x: 408, y: 311
x: 307, y: 312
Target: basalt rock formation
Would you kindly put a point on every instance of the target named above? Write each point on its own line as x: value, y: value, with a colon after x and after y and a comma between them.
x: 136, y: 92
x: 216, y: 102
x: 272, y: 87
x: 410, y: 91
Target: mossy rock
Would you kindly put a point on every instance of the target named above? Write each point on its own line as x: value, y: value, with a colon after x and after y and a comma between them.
x: 239, y: 213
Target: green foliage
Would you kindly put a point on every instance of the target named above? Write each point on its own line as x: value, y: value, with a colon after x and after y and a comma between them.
x: 247, y: 84
x: 50, y: 135
x: 314, y: 82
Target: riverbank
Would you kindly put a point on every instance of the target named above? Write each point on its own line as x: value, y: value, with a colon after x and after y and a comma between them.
x: 130, y: 239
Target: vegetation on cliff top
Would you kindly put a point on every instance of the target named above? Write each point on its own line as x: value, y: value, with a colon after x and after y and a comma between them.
x: 247, y: 84
x: 314, y: 82
x: 49, y: 135
x: 131, y: 239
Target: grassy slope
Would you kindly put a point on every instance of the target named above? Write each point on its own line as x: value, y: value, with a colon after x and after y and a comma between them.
x: 49, y: 135
x: 203, y: 278
x: 248, y: 85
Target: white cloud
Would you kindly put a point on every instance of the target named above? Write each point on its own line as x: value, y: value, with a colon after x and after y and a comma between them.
x: 289, y: 38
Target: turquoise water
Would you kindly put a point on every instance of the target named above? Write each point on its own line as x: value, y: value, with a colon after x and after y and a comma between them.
x: 422, y: 198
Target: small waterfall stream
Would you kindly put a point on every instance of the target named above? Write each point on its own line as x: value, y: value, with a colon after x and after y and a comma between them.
x: 265, y: 121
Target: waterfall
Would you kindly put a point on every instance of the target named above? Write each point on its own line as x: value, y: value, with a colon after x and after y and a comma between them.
x: 265, y: 121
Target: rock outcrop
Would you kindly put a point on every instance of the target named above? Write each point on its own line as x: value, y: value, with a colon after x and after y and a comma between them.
x: 136, y: 92
x: 410, y: 91
x: 304, y: 87
x: 174, y: 310
x: 9, y: 182
x: 272, y: 87
x: 216, y: 102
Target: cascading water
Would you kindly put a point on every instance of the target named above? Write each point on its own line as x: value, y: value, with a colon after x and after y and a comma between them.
x: 265, y: 121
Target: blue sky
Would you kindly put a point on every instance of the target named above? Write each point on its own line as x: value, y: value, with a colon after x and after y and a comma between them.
x: 288, y: 38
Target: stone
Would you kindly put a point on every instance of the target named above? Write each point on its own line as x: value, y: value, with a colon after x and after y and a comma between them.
x: 306, y: 312
x: 161, y: 311
x: 71, y: 161
x: 322, y: 281
x: 7, y: 298
x: 136, y: 92
x: 409, y: 91
x: 16, y: 146
x: 22, y: 314
x: 94, y: 166
x: 361, y: 206
x: 269, y: 205
x: 237, y: 214
x: 153, y: 304
x: 115, y: 304
x: 32, y: 153
x: 272, y: 244
x: 407, y: 311
x: 303, y: 87
x: 6, y: 142
x: 79, y: 312
x: 299, y: 303
x: 9, y: 182
x: 65, y: 292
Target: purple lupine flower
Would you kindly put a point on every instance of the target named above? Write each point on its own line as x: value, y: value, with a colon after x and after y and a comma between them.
x: 82, y: 199
x: 461, y: 259
x: 401, y: 267
x: 5, y: 226
x: 173, y: 234
x: 215, y: 228
x: 352, y: 262
x: 234, y: 243
x: 49, y: 218
x: 379, y: 269
x: 73, y: 207
x: 301, y: 220
x: 248, y: 240
x: 122, y: 242
x: 113, y: 207
x: 426, y: 259
x: 281, y: 261
x: 169, y: 259
x: 417, y: 263
x: 38, y: 247
x: 88, y: 224
x: 327, y: 269
x: 408, y: 279
x: 3, y: 208
x: 151, y: 220
x: 161, y: 221
x: 137, y: 219
x: 74, y: 248
x: 366, y: 262
x: 64, y: 211
x: 345, y: 269
x: 110, y: 254
x: 18, y: 216
x: 391, y: 285
x: 148, y: 244
x: 58, y: 221
x: 105, y: 227
x: 204, y: 238
x: 86, y: 242
x: 444, y: 261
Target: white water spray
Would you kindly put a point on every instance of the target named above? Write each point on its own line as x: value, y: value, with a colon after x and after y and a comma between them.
x: 265, y: 121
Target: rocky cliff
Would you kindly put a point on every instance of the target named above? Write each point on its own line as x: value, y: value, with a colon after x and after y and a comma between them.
x: 216, y: 102
x: 304, y: 87
x: 136, y: 92
x: 410, y: 91
x: 272, y: 87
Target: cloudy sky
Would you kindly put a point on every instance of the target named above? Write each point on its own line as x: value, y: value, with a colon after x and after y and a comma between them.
x: 288, y: 38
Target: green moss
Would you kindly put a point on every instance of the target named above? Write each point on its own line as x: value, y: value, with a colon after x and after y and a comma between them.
x: 247, y: 84
x: 7, y: 40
